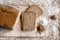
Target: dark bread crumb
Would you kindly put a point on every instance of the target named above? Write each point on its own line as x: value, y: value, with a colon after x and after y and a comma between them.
x: 40, y: 28
x: 53, y: 17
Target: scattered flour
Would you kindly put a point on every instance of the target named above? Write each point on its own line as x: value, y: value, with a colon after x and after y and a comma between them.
x: 51, y: 27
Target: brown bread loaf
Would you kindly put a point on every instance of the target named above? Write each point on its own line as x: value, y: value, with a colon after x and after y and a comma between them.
x: 8, y: 16
x: 28, y: 21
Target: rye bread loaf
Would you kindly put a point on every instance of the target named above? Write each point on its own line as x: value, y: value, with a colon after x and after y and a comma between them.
x: 28, y: 21
x: 38, y: 11
x: 8, y: 16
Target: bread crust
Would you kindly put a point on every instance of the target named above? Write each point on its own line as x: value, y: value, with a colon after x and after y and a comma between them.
x: 8, y: 9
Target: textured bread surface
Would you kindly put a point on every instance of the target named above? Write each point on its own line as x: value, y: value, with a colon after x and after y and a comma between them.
x: 8, y: 16
x: 28, y: 21
x: 38, y: 11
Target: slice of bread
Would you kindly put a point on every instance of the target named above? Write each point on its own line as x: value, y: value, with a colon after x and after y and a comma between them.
x: 8, y: 16
x: 38, y: 11
x: 28, y: 21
